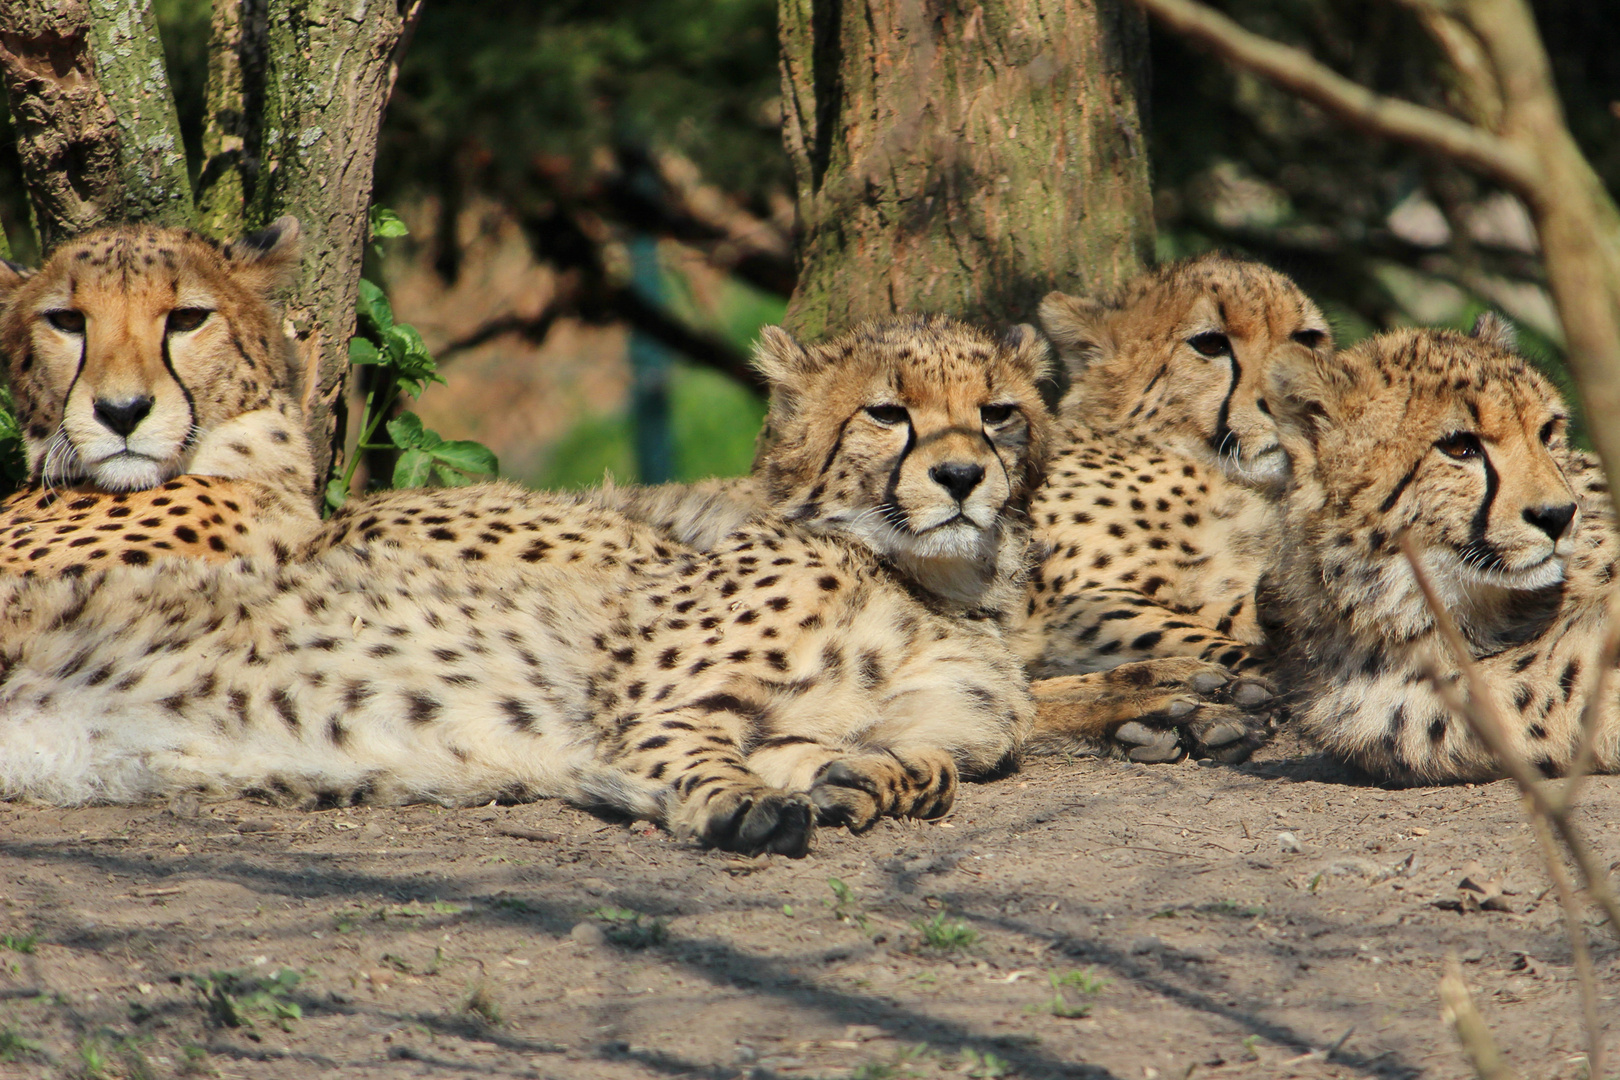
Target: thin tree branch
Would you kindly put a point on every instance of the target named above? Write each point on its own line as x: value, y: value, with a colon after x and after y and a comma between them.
x: 1575, y: 930
x: 1457, y: 1007
x: 1484, y: 718
x: 1296, y: 71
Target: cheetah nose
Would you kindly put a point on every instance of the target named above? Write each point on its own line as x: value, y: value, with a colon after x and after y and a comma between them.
x: 121, y: 417
x: 957, y: 478
x: 1552, y: 520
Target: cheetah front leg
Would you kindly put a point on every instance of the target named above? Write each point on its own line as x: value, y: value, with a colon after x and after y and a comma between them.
x: 856, y: 787
x: 712, y: 794
x: 1153, y: 711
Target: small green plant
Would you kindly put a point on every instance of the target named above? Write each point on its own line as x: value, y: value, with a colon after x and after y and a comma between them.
x: 194, y: 1061
x: 23, y: 943
x: 899, y: 1067
x: 231, y: 997
x: 13, y: 1045
x: 480, y: 1005
x: 349, y: 921
x: 1250, y: 1047
x: 13, y: 467
x: 630, y: 928
x: 403, y: 366
x: 844, y: 906
x: 1086, y: 984
x: 947, y: 935
x: 94, y: 1057
x: 984, y: 1066
x: 1234, y: 908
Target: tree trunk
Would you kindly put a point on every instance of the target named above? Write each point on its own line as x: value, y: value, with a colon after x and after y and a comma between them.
x: 129, y: 67
x: 330, y: 65
x: 67, y: 135
x: 962, y: 157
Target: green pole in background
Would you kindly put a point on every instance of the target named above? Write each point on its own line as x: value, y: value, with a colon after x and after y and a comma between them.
x: 649, y: 375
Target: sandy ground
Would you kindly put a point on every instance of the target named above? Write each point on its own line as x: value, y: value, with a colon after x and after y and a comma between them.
x: 1080, y: 919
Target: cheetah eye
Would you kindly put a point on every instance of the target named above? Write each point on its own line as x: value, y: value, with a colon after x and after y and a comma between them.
x: 1211, y: 343
x: 1460, y: 445
x: 1549, y: 429
x: 995, y: 414
x: 1309, y: 338
x: 66, y: 320
x: 888, y: 415
x: 184, y: 319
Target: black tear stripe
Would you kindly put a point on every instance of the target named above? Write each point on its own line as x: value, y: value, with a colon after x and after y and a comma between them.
x: 1482, y: 516
x: 1218, y: 439
x: 1400, y: 485
x: 191, y: 404
x: 893, y: 486
x: 838, y: 444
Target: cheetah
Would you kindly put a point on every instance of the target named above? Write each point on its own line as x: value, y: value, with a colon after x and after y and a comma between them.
x: 1162, y: 501
x: 1457, y: 443
x: 155, y: 390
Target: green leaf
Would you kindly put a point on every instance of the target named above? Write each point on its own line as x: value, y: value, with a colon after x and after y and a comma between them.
x: 362, y: 351
x: 451, y: 478
x: 337, y: 492
x: 406, y: 431
x: 374, y: 308
x: 413, y: 469
x: 466, y: 455
x: 386, y: 224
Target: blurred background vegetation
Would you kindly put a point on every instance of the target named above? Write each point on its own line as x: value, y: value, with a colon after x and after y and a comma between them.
x: 535, y: 149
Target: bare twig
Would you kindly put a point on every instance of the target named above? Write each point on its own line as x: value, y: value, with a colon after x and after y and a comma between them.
x: 1575, y: 928
x: 1457, y: 1008
x: 1484, y: 718
x: 1295, y: 70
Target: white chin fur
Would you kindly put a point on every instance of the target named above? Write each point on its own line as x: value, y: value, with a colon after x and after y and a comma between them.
x: 1464, y: 578
x: 128, y: 472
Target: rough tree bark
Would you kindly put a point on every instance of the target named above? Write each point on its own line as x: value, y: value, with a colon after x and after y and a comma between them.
x: 67, y: 134
x: 329, y: 67
x: 296, y: 95
x: 961, y: 156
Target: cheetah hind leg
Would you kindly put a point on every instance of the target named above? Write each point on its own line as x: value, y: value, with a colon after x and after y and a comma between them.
x: 858, y: 790
x: 1157, y: 710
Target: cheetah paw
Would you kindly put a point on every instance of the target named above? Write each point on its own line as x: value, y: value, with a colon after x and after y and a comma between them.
x: 755, y: 820
x: 1227, y: 720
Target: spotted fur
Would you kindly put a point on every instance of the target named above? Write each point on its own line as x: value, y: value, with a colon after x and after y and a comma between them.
x: 1161, y: 505
x: 836, y: 655
x: 156, y: 394
x: 1458, y: 444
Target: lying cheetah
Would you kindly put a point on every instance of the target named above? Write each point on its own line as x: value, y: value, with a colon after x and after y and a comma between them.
x: 155, y: 391
x: 1162, y: 501
x: 1458, y: 444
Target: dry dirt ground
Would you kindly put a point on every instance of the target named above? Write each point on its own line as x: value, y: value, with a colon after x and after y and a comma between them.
x: 1080, y: 919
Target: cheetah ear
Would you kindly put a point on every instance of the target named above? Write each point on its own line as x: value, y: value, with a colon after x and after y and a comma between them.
x: 1028, y: 351
x: 267, y: 261
x: 1077, y: 327
x: 782, y: 360
x: 12, y: 275
x: 1492, y: 329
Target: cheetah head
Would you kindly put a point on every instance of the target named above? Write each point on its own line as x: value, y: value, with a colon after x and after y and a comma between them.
x: 1181, y: 355
x: 920, y: 438
x: 1452, y: 440
x: 133, y: 342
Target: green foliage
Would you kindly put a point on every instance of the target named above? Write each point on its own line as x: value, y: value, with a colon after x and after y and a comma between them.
x: 23, y: 943
x: 714, y: 421
x: 231, y: 998
x: 480, y: 1005
x: 1087, y: 984
x: 402, y: 365
x: 631, y: 928
x: 985, y: 1065
x: 947, y: 935
x: 844, y: 906
x: 13, y: 1045
x: 13, y: 467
